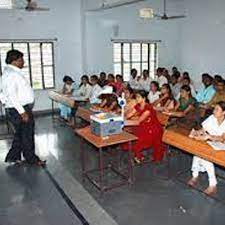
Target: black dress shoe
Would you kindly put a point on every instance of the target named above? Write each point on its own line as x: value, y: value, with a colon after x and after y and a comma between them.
x: 41, y: 163
x: 15, y: 162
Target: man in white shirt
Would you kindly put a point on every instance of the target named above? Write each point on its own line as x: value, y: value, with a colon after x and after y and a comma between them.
x: 133, y: 82
x: 145, y: 81
x: 160, y: 77
x: 19, y: 100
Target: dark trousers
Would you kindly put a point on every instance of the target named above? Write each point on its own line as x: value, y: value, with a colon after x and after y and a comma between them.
x: 23, y: 142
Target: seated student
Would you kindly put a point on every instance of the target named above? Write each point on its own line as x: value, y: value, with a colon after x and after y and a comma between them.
x: 213, y: 129
x: 134, y: 84
x: 144, y: 82
x: 206, y: 94
x: 154, y: 93
x: 95, y: 90
x: 186, y: 103
x: 187, y: 81
x: 145, y: 125
x: 111, y: 80
x: 166, y: 100
x: 175, y: 86
x: 119, y: 86
x: 102, y: 79
x: 219, y: 96
x: 130, y: 100
x: 84, y: 90
x: 186, y: 75
x: 166, y: 74
x: 217, y: 78
x: 108, y: 103
x: 174, y: 70
x: 160, y: 78
x: 67, y: 90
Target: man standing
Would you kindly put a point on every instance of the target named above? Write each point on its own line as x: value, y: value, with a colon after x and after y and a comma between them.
x: 19, y: 100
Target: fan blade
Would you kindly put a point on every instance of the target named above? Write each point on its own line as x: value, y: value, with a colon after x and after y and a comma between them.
x: 41, y: 9
x: 114, y: 6
x: 157, y: 16
x: 176, y: 17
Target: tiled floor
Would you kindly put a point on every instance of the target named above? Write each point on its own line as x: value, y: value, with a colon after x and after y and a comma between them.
x: 153, y: 199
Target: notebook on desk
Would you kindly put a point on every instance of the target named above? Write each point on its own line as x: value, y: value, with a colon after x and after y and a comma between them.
x: 217, y: 145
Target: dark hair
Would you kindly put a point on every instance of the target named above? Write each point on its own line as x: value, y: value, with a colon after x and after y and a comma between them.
x: 167, y: 86
x: 156, y: 84
x: 84, y: 77
x: 188, y: 79
x: 146, y: 71
x: 186, y: 74
x: 67, y: 78
x: 159, y: 70
x: 94, y: 77
x: 186, y: 88
x: 177, y: 74
x: 133, y: 71
x: 174, y: 76
x: 174, y: 68
x: 218, y: 78
x: 102, y: 74
x: 119, y: 76
x: 221, y: 81
x: 13, y: 55
x: 143, y: 94
x: 111, y: 75
x: 222, y: 105
x: 206, y: 75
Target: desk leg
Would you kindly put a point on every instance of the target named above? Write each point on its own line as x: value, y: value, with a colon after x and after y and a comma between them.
x: 52, y: 110
x: 101, y: 174
x: 130, y: 165
x: 82, y: 156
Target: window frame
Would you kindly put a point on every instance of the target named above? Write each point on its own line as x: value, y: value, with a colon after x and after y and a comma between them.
x: 131, y: 61
x: 9, y: 5
x: 42, y: 65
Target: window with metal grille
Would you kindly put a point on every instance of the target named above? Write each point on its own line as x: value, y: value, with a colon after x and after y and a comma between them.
x: 6, y: 4
x: 39, y: 62
x: 131, y: 55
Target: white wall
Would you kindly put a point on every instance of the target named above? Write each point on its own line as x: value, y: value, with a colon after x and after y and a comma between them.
x: 202, y: 40
x: 99, y: 32
x: 63, y: 22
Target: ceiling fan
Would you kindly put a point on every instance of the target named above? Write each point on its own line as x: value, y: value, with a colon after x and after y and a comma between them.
x: 31, y: 5
x: 165, y: 16
x: 105, y: 5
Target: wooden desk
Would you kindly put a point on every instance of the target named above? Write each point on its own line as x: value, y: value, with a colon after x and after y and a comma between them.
x: 60, y: 98
x: 100, y: 143
x: 85, y: 114
x: 178, y: 137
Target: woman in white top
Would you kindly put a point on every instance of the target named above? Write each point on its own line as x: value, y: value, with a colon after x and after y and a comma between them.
x: 213, y: 129
x: 95, y: 90
x: 160, y: 77
x: 154, y: 93
x: 84, y: 91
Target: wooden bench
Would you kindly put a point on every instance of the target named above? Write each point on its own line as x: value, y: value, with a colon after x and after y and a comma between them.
x: 178, y: 137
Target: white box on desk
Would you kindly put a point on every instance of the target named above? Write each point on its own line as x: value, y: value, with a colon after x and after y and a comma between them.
x: 105, y: 124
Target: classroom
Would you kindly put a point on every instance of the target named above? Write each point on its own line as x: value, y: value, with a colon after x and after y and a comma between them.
x: 112, y: 112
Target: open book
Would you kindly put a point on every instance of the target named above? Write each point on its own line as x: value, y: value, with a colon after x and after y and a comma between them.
x: 216, y: 145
